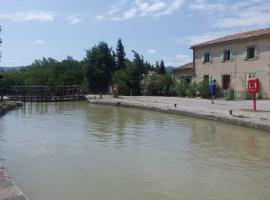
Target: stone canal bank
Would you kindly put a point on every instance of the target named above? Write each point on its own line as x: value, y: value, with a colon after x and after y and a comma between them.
x: 8, y: 190
x: 233, y: 112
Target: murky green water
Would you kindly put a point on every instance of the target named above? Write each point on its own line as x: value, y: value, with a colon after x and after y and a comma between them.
x: 67, y: 151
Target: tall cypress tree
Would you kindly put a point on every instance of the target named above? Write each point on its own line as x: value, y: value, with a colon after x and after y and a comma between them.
x: 120, y: 55
x: 162, y: 69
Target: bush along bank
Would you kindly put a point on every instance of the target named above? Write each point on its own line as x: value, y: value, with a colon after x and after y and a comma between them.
x: 164, y: 85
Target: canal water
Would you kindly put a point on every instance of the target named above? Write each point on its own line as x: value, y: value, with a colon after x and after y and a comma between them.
x: 75, y: 150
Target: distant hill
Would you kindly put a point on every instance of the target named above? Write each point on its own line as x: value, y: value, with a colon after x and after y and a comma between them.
x: 10, y: 68
x: 169, y: 69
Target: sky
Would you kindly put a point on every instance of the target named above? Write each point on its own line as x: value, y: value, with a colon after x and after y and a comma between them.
x: 157, y: 29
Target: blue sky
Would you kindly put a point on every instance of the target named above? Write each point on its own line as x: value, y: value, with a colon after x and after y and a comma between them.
x: 158, y: 29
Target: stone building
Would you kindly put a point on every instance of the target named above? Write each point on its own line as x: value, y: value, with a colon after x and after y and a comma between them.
x: 184, y: 72
x: 231, y: 60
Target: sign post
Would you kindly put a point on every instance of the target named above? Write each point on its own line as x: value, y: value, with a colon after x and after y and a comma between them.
x: 254, y: 88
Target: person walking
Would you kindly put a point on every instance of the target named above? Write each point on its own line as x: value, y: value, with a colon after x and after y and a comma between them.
x: 213, y: 90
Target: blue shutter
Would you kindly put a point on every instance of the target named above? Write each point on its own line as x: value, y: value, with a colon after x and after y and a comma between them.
x: 245, y: 54
x: 256, y: 53
x: 231, y: 55
x: 222, y: 57
x: 210, y: 79
x: 203, y: 59
x: 210, y: 58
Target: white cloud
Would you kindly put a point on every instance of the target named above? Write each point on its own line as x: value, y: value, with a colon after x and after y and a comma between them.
x: 74, y: 19
x: 141, y: 8
x: 99, y: 17
x: 30, y: 16
x: 196, y: 39
x: 151, y: 51
x: 239, y: 14
x: 146, y: 8
x: 172, y: 7
x: 255, y: 15
x: 38, y: 42
x: 179, y: 60
x: 204, y: 6
x: 183, y: 59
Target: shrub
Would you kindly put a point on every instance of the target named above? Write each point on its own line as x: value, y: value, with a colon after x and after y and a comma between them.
x: 157, y: 85
x: 230, y: 95
x: 181, y: 88
x: 203, y: 89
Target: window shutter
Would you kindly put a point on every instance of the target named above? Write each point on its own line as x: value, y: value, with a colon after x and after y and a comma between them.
x: 231, y: 55
x: 210, y: 79
x: 245, y: 54
x: 210, y: 58
x: 256, y: 53
x: 202, y: 60
x: 222, y: 56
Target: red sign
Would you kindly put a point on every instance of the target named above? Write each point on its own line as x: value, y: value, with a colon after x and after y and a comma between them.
x: 253, y: 85
x: 253, y: 88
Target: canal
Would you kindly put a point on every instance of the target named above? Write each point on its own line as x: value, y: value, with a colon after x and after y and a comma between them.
x: 76, y: 150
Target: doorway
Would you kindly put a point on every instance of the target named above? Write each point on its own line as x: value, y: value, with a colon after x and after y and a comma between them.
x: 226, y: 82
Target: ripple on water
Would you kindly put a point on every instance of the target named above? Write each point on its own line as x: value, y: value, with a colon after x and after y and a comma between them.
x: 75, y: 150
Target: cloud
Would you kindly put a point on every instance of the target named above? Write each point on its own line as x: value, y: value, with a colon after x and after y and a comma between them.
x: 204, y: 6
x: 172, y: 7
x: 255, y: 15
x: 38, y: 42
x: 99, y: 17
x: 230, y: 14
x: 183, y: 59
x: 151, y: 51
x: 179, y: 60
x: 196, y: 39
x: 74, y: 19
x: 30, y: 16
x: 141, y: 8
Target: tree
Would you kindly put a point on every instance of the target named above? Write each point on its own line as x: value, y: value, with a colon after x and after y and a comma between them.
x: 120, y: 55
x: 162, y: 69
x: 100, y: 64
x: 139, y: 70
x: 157, y: 66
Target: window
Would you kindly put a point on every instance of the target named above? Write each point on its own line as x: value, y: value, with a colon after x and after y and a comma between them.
x: 250, y: 52
x: 250, y: 75
x: 206, y: 77
x: 206, y: 57
x: 188, y: 79
x: 227, y: 55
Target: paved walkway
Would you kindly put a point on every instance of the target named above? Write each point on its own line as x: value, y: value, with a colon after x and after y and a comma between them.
x: 241, y: 114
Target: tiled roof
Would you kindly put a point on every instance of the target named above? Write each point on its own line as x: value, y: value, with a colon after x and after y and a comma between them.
x: 234, y: 37
x: 185, y: 66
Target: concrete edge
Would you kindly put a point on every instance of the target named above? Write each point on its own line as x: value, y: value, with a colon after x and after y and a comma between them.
x: 233, y: 121
x: 12, y: 191
x: 10, y: 106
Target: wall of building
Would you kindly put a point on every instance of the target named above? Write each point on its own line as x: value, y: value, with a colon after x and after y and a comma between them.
x: 238, y: 68
x: 179, y: 74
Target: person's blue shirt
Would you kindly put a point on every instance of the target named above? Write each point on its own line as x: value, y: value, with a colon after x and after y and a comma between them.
x: 213, y: 88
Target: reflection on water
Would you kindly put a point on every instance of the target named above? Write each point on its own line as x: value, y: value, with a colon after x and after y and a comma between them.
x: 75, y: 150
